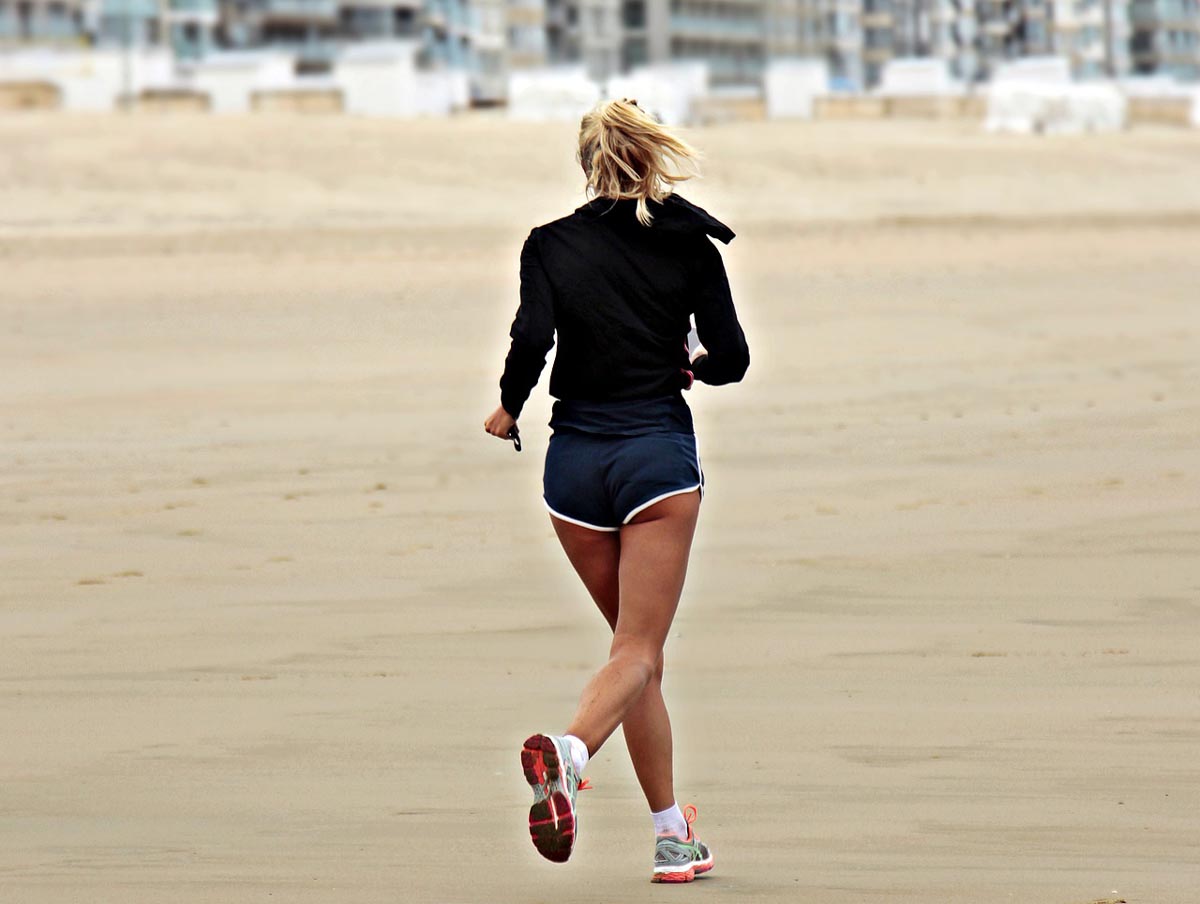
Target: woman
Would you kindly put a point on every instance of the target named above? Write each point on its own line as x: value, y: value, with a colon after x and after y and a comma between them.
x: 618, y: 280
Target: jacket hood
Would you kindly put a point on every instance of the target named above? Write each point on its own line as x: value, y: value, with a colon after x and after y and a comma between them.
x: 673, y: 214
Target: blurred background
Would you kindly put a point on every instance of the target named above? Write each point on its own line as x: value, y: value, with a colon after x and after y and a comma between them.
x: 688, y: 59
x: 277, y: 614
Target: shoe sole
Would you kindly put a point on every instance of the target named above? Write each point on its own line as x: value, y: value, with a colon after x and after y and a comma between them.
x: 551, y: 818
x: 689, y: 875
x: 674, y: 877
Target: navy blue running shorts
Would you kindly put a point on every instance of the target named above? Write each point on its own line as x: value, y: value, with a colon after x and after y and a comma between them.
x: 602, y: 482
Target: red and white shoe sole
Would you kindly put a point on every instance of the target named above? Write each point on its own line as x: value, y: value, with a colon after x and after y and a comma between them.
x: 551, y: 821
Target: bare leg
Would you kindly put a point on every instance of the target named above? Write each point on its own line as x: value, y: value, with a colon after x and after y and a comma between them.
x: 596, y: 557
x: 653, y: 563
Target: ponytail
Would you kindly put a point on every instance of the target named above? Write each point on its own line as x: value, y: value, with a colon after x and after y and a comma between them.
x: 628, y: 154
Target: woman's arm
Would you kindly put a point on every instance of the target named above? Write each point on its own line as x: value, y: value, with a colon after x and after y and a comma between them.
x: 727, y: 356
x: 532, y: 332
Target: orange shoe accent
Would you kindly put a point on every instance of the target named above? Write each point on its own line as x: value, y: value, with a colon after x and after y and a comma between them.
x: 689, y: 816
x: 674, y: 877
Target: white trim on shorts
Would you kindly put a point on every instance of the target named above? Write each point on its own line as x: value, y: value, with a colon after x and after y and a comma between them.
x: 562, y: 517
x: 645, y: 505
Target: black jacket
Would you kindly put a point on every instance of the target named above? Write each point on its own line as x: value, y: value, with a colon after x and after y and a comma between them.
x: 619, y: 295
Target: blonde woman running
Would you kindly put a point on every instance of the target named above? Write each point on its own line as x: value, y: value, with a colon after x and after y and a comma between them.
x: 618, y: 281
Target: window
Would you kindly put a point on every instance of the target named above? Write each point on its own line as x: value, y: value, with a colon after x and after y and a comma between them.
x: 633, y: 53
x: 633, y: 14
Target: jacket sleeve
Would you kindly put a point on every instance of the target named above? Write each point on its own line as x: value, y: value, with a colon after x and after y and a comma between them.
x: 532, y: 331
x: 716, y: 322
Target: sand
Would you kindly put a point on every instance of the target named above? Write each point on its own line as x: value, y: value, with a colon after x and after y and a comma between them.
x: 276, y: 614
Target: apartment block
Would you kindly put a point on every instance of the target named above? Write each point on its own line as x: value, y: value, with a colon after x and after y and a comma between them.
x: 1094, y: 35
x: 41, y: 21
x: 1166, y: 37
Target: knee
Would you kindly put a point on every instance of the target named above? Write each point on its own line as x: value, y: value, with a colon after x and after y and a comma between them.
x: 645, y: 661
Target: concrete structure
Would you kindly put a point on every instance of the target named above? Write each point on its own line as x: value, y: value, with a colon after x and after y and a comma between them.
x: 378, y: 80
x: 591, y: 32
x: 191, y: 27
x: 918, y: 77
x: 173, y: 100
x: 96, y: 80
x: 1038, y: 95
x: 1166, y: 37
x: 119, y: 23
x: 510, y: 36
x: 736, y: 41
x: 29, y: 96
x: 791, y: 87
x: 668, y: 91
x: 231, y: 80
x: 41, y: 21
x: 552, y: 94
x: 1093, y: 36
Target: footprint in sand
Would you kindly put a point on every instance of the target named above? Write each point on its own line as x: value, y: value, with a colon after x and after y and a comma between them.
x: 199, y: 481
x: 188, y: 533
x: 280, y: 559
x: 86, y: 581
x: 129, y: 574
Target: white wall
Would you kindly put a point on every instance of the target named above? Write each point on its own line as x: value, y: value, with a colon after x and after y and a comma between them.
x: 90, y: 80
x: 792, y: 86
x: 668, y: 90
x: 230, y: 79
x: 558, y: 93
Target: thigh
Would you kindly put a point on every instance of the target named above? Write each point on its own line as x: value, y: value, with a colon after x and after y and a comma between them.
x: 654, y: 556
x: 596, y: 557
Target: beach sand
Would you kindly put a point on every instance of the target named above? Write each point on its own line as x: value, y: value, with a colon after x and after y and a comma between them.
x: 276, y: 614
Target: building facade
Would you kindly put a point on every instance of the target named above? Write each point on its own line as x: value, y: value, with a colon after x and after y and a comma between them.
x: 1165, y: 37
x: 735, y: 38
x: 42, y: 21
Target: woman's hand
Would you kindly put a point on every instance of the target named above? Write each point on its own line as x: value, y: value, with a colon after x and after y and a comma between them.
x: 499, y: 422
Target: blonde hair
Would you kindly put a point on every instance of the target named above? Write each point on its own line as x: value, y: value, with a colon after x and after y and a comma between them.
x: 626, y: 153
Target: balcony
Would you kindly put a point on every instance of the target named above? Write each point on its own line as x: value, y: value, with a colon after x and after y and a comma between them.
x: 298, y: 10
x: 718, y: 29
x: 129, y: 9
x: 202, y: 12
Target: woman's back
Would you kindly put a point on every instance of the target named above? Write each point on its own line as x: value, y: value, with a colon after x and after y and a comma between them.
x: 619, y: 295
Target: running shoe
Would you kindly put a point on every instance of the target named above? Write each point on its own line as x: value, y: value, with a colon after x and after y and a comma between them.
x: 681, y: 859
x: 551, y: 774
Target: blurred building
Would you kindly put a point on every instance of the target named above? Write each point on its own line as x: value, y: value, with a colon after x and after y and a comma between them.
x: 509, y: 35
x: 191, y: 26
x: 736, y: 39
x: 590, y: 32
x: 41, y: 21
x: 1166, y: 37
x: 1094, y: 36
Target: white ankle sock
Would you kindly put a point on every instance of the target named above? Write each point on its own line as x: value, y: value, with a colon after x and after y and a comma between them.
x: 670, y: 822
x: 579, y: 752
